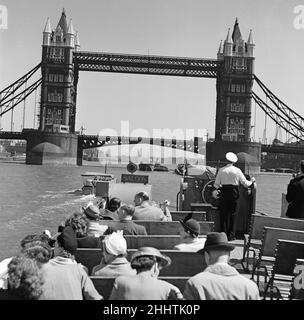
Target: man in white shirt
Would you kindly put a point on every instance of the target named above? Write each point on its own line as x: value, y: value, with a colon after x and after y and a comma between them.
x: 227, y: 181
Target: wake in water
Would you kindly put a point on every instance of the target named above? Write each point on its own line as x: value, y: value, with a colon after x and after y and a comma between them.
x: 46, y: 215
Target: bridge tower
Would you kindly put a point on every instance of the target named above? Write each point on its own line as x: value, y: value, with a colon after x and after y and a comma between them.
x: 233, y: 104
x: 58, y: 88
x: 56, y: 141
x: 234, y: 87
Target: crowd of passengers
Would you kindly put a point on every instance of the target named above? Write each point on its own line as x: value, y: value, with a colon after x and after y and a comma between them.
x: 46, y: 268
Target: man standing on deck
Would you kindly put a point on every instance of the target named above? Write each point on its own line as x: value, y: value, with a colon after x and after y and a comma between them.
x: 295, y: 195
x: 227, y: 180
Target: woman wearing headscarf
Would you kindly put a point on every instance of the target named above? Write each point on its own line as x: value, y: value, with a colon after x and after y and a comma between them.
x: 114, y: 262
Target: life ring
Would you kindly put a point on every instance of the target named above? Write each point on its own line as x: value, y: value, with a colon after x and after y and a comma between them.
x: 208, y: 193
x: 131, y: 167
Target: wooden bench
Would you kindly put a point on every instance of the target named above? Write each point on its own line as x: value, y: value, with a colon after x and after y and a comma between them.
x: 252, y: 241
x: 104, y: 285
x: 286, y: 254
x: 181, y: 215
x: 160, y: 242
x: 269, y: 242
x: 165, y: 227
x: 297, y: 293
x: 183, y: 263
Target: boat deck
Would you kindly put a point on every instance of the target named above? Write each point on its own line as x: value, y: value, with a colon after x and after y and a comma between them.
x: 235, y: 261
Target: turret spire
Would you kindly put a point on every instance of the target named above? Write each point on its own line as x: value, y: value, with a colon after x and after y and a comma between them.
x: 71, y: 28
x: 228, y: 38
x: 47, y: 28
x: 77, y: 42
x: 250, y: 39
x: 220, y: 50
x: 63, y: 23
x: 236, y: 34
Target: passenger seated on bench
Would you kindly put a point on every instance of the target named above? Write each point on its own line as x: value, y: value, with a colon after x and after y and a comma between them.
x: 25, y: 280
x: 144, y: 285
x: 64, y: 278
x: 92, y: 212
x: 125, y: 223
x: 110, y: 213
x: 189, y: 231
x: 113, y: 262
x: 26, y: 242
x: 144, y: 211
x: 219, y: 281
x: 80, y: 224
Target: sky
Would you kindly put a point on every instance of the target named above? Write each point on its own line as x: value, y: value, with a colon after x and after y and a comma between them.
x: 183, y: 28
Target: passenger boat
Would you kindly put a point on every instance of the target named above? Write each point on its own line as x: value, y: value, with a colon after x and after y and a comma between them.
x: 194, y: 204
x: 160, y: 167
x: 90, y: 179
x: 195, y: 170
x: 145, y: 167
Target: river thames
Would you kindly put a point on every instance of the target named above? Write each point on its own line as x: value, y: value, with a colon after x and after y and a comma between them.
x: 35, y: 198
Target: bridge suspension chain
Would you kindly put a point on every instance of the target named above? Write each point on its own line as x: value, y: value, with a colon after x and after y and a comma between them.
x: 12, y: 88
x: 282, y: 120
x: 283, y: 110
x: 10, y: 104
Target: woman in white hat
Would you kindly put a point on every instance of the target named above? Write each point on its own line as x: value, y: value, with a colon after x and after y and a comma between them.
x: 145, y: 285
x: 114, y: 262
x: 227, y: 180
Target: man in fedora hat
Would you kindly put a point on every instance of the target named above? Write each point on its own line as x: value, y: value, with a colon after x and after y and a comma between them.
x: 219, y: 281
x: 227, y: 181
x: 145, y: 285
x: 190, y: 229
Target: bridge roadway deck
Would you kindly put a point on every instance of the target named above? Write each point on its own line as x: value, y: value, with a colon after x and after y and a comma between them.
x: 94, y: 141
x: 146, y: 64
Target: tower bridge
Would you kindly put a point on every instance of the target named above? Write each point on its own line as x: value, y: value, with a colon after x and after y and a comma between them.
x: 60, y: 68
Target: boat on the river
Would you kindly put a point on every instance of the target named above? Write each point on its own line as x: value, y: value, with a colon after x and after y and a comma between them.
x: 91, y: 178
x: 195, y: 170
x: 160, y: 167
x: 145, y: 167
